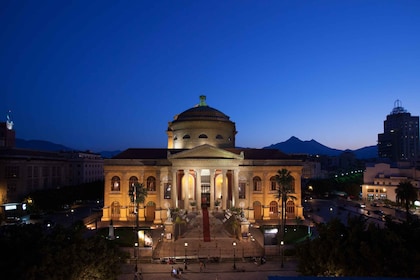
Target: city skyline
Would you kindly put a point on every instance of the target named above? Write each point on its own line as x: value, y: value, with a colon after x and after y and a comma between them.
x: 107, y: 75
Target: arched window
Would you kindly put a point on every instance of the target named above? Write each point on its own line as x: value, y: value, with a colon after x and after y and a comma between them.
x: 115, y: 184
x: 202, y: 136
x: 256, y: 182
x: 290, y: 207
x: 186, y: 136
x: 273, y: 183
x: 151, y: 184
x: 274, y: 208
x: 218, y: 136
x: 292, y: 185
x: 132, y: 181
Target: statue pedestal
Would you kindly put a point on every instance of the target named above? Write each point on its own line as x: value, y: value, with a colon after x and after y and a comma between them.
x: 244, y: 230
x: 158, y: 217
x: 169, y: 232
x: 142, y: 217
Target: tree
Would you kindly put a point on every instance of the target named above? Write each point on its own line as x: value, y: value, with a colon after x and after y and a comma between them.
x: 406, y: 193
x: 284, y: 180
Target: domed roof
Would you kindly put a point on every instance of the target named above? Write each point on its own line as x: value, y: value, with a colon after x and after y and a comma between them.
x: 201, y: 112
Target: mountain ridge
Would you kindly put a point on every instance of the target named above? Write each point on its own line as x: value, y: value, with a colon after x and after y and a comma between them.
x: 311, y: 147
x: 291, y: 146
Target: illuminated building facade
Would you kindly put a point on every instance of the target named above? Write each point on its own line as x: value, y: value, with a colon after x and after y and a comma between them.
x: 380, y: 180
x: 201, y: 167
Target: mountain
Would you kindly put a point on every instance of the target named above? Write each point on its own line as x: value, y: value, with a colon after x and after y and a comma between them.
x: 42, y: 145
x: 291, y: 146
x: 296, y: 146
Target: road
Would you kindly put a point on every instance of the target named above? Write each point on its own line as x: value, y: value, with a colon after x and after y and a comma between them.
x: 323, y: 210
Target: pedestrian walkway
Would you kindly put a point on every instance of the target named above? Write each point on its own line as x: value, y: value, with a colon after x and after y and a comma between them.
x: 221, y: 271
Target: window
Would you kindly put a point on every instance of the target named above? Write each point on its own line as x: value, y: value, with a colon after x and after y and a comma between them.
x: 273, y: 183
x: 186, y: 136
x: 292, y: 185
x: 290, y: 207
x: 115, y: 184
x: 132, y: 181
x: 12, y: 172
x: 167, y: 191
x: 218, y: 136
x: 256, y: 182
x: 151, y: 184
x: 202, y: 136
x: 242, y: 190
x: 274, y: 209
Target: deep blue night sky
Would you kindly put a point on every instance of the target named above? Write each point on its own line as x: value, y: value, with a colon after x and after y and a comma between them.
x: 104, y: 75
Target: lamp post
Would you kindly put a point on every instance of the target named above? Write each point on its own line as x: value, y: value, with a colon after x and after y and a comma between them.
x: 282, y: 253
x: 234, y: 255
x: 185, y: 259
x: 136, y: 255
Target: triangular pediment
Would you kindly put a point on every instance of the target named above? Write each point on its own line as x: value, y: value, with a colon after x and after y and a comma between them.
x: 205, y: 151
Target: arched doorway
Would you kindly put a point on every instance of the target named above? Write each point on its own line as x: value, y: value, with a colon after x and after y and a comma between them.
x: 290, y: 209
x: 274, y: 209
x: 150, y: 211
x: 257, y: 210
x: 115, y: 210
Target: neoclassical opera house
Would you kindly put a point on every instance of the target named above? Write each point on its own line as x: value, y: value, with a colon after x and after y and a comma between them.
x: 201, y: 167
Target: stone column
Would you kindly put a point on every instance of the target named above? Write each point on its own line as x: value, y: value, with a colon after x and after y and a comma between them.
x: 212, y: 189
x: 235, y: 195
x: 224, y: 190
x: 174, y: 197
x: 198, y: 190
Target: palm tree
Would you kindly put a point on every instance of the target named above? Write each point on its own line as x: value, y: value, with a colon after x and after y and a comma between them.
x: 138, y: 194
x: 406, y: 193
x: 284, y: 180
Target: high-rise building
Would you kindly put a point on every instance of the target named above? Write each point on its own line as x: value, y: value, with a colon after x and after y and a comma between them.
x: 400, y: 139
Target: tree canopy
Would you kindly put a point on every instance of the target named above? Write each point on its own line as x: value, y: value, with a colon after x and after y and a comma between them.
x: 34, y: 252
x: 361, y: 249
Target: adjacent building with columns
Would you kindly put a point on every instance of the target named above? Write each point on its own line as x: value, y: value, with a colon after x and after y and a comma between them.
x: 201, y: 167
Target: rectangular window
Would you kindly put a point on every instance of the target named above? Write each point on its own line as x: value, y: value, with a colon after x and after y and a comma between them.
x: 242, y: 192
x: 168, y: 190
x: 12, y: 172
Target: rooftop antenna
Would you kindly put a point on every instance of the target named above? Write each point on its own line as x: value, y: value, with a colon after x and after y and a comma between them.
x: 398, y: 108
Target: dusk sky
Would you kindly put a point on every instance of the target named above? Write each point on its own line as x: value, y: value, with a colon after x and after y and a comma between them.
x: 108, y: 75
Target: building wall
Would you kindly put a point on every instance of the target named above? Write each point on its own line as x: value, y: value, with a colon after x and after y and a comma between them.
x: 183, y: 177
x: 381, y: 180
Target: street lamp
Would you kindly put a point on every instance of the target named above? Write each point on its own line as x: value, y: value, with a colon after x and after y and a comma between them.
x: 136, y: 253
x: 282, y: 253
x: 234, y: 255
x: 185, y: 259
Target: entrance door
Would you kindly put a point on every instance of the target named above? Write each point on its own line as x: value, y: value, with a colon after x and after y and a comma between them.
x: 150, y: 211
x: 205, y: 188
x: 257, y: 210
